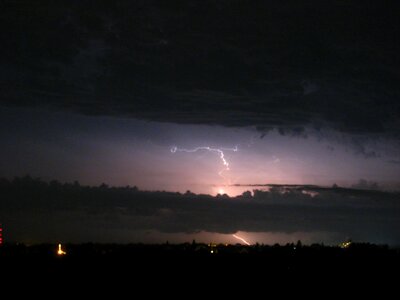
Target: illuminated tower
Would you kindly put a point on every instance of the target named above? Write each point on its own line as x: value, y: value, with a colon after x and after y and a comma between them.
x: 60, y: 251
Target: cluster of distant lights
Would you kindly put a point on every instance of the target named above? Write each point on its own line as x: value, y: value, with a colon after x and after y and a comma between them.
x: 61, y: 252
x: 345, y: 245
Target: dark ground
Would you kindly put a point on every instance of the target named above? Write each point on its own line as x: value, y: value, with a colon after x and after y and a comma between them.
x: 191, y: 262
x: 180, y: 271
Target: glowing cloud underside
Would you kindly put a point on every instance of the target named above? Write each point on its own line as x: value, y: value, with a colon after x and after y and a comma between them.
x: 241, y: 239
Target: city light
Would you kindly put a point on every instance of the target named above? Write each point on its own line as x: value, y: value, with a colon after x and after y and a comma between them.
x: 345, y: 245
x: 60, y: 251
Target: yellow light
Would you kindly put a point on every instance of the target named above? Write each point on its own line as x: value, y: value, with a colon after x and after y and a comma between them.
x: 345, y: 244
x: 212, y: 251
x: 60, y: 250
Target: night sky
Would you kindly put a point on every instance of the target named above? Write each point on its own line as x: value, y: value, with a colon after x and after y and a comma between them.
x: 211, y: 97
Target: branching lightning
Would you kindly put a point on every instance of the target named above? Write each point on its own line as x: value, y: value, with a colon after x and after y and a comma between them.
x: 241, y: 239
x: 220, y: 151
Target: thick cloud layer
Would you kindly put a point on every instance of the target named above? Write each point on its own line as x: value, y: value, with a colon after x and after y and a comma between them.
x: 282, y: 64
x: 45, y: 212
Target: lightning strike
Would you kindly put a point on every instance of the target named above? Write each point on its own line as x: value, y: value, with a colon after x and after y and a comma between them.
x: 241, y: 239
x: 220, y: 151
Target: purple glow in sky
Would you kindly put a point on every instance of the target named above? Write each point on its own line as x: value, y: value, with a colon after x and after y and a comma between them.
x: 283, y: 93
x: 122, y: 152
x: 204, y: 160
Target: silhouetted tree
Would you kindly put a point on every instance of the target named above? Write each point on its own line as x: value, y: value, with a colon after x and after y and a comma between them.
x: 246, y: 194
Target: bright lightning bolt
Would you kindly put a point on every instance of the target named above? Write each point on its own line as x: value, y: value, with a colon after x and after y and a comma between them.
x: 241, y: 239
x: 220, y: 151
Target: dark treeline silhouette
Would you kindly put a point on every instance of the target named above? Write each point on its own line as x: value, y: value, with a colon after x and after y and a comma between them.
x: 26, y: 191
x: 38, y: 211
x: 189, y: 262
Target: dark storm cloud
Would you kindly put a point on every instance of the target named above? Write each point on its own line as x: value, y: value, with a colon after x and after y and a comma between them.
x: 234, y: 63
x: 37, y: 207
